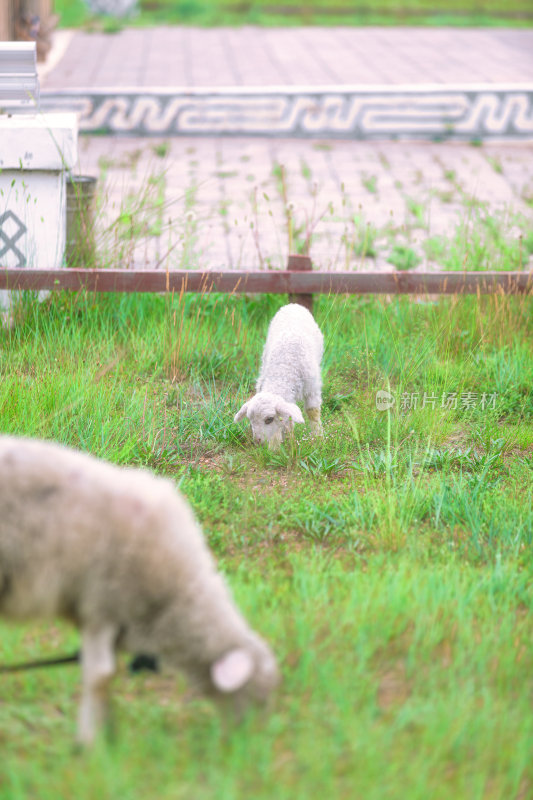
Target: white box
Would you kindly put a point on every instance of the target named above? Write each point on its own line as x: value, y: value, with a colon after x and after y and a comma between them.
x: 36, y: 152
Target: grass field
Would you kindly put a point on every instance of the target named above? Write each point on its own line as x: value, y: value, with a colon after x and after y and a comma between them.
x: 312, y: 12
x: 389, y: 564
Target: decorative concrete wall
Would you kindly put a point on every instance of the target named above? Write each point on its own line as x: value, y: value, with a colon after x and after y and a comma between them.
x: 366, y: 112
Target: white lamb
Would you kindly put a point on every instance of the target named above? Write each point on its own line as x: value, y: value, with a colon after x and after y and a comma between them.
x: 118, y: 552
x: 290, y: 371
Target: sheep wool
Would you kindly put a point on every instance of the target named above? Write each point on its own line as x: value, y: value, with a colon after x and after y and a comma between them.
x: 290, y: 371
x: 118, y: 552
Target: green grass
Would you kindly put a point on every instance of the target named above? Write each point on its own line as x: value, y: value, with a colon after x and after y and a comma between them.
x: 481, y: 242
x: 403, y: 257
x: 314, y: 12
x: 389, y: 564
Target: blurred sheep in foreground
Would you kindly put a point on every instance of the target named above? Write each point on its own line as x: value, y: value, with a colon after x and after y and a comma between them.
x: 118, y: 552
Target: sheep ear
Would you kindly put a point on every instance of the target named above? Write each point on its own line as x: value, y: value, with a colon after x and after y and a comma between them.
x: 241, y: 413
x: 291, y: 410
x: 232, y: 670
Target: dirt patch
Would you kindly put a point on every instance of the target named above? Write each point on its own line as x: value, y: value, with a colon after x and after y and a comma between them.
x: 394, y: 687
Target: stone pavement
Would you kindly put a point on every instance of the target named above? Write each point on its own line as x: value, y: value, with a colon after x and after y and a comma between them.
x: 234, y: 202
x: 246, y: 203
x: 352, y: 83
x: 253, y: 57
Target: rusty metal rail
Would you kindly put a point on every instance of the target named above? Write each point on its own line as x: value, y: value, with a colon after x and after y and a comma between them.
x: 292, y: 281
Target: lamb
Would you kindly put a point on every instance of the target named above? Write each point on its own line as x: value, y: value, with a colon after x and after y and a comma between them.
x: 290, y: 371
x: 118, y: 552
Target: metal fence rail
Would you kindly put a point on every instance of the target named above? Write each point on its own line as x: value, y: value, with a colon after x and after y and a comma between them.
x: 291, y: 281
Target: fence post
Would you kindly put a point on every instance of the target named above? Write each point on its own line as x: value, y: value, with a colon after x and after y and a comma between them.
x: 300, y: 263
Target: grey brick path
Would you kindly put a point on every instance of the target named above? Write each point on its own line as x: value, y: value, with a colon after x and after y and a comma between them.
x: 209, y: 203
x: 304, y: 82
x: 235, y: 202
x: 249, y: 56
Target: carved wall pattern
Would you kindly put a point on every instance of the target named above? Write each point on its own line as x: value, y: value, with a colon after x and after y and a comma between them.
x: 345, y: 113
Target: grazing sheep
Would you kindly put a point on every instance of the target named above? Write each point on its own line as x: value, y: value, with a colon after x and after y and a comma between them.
x: 118, y: 552
x: 290, y: 371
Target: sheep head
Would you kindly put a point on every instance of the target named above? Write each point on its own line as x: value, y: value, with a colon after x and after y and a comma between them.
x: 271, y: 417
x: 244, y: 676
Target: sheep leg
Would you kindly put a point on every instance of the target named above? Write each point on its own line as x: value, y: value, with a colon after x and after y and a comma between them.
x: 98, y: 668
x: 5, y: 586
x: 314, y: 421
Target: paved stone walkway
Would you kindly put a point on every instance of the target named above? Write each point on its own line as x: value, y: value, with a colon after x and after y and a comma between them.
x: 346, y: 83
x: 245, y: 202
x: 250, y: 56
